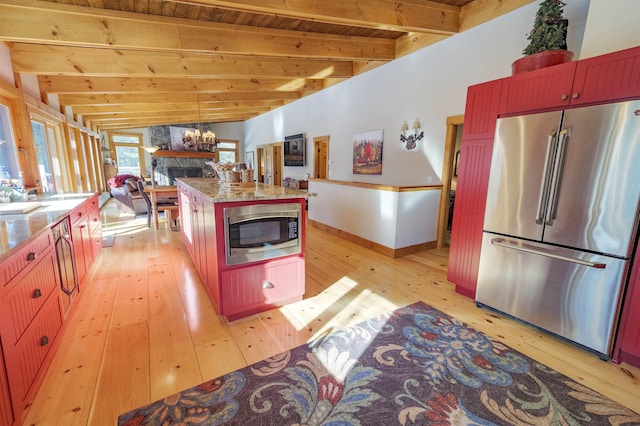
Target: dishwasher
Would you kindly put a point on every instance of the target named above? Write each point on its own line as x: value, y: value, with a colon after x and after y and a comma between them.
x: 66, y: 265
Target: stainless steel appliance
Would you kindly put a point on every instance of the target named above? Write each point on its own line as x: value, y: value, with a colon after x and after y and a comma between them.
x: 261, y: 231
x: 561, y: 220
x: 66, y: 265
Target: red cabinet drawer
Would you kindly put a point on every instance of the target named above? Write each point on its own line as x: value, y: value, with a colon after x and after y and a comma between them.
x: 23, y: 303
x: 78, y: 213
x: 93, y: 210
x: 25, y: 257
x: 26, y: 358
x: 252, y: 287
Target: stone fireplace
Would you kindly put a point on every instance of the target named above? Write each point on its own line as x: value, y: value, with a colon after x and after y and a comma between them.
x: 169, y: 168
x: 172, y: 164
x: 180, y: 172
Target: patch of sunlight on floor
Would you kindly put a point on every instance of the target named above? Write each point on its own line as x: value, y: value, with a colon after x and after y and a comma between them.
x: 301, y: 314
x: 362, y: 307
x: 354, y: 306
x: 125, y: 228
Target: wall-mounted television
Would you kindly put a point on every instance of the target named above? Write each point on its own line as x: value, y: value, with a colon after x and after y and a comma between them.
x: 294, y: 150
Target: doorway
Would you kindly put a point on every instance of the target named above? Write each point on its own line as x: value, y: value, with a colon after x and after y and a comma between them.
x: 321, y: 156
x: 453, y: 139
x: 269, y: 163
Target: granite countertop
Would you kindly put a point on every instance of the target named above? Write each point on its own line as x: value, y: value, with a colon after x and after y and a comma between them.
x: 219, y: 193
x: 19, y: 229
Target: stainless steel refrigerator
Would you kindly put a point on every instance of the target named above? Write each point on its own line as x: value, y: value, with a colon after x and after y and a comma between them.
x: 561, y: 220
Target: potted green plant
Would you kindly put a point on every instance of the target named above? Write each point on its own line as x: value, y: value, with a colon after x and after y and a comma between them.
x: 548, y: 39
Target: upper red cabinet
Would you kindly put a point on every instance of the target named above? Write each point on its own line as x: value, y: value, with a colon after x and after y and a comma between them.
x: 481, y: 110
x: 607, y: 78
x: 538, y: 90
x: 615, y: 76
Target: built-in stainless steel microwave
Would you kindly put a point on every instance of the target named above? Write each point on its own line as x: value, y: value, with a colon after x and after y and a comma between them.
x: 261, y: 231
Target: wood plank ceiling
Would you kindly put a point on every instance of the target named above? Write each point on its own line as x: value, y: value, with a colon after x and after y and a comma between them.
x: 135, y: 63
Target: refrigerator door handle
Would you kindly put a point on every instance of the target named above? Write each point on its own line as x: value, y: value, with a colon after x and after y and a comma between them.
x: 546, y: 176
x: 503, y: 243
x: 552, y: 205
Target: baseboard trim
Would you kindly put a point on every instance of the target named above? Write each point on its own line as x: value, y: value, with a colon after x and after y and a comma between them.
x: 378, y: 248
x: 103, y: 198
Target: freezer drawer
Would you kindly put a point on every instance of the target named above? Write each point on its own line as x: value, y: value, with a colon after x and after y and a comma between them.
x: 573, y: 294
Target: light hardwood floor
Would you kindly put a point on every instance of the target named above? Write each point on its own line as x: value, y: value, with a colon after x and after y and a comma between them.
x: 144, y: 327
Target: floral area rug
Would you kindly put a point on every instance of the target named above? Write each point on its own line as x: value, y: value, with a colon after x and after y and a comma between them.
x: 415, y: 365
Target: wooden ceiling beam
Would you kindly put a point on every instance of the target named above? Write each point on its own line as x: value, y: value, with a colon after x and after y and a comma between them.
x: 158, y: 121
x: 72, y: 99
x: 407, y: 15
x: 32, y: 21
x: 480, y: 11
x: 174, y: 106
x: 90, y: 62
x: 151, y: 114
x: 64, y: 84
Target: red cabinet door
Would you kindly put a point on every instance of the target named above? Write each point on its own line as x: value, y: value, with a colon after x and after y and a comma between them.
x: 26, y: 359
x: 468, y: 215
x: 184, y: 196
x: 471, y: 188
x: 607, y: 78
x: 547, y: 88
x: 627, y: 346
x: 481, y: 110
x: 6, y: 411
x: 81, y: 241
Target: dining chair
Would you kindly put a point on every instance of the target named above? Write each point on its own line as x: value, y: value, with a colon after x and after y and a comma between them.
x: 169, y: 208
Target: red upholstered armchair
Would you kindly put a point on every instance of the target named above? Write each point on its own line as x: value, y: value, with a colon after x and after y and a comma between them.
x: 124, y: 190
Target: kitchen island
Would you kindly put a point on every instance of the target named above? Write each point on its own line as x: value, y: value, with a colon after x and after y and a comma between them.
x: 247, y: 243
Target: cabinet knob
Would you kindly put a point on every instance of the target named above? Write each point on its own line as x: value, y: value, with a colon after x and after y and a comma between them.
x: 37, y: 293
x: 44, y: 341
x: 31, y: 256
x: 575, y: 96
x: 564, y: 97
x: 267, y: 284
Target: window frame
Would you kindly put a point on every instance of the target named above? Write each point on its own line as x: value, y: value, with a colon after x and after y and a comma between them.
x: 112, y: 148
x: 235, y: 150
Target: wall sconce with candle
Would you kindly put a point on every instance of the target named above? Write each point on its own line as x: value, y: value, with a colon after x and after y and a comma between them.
x: 410, y: 139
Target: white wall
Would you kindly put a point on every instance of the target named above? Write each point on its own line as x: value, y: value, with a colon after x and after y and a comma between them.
x: 30, y: 84
x: 383, y: 217
x: 6, y: 69
x: 430, y: 84
x: 612, y: 25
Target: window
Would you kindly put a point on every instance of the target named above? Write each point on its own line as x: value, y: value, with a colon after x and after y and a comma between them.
x: 42, y: 154
x: 227, y: 151
x: 127, y: 153
x: 9, y: 169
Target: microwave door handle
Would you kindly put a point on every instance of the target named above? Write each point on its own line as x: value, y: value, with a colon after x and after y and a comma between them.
x: 546, y: 177
x: 554, y: 193
x: 233, y: 220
